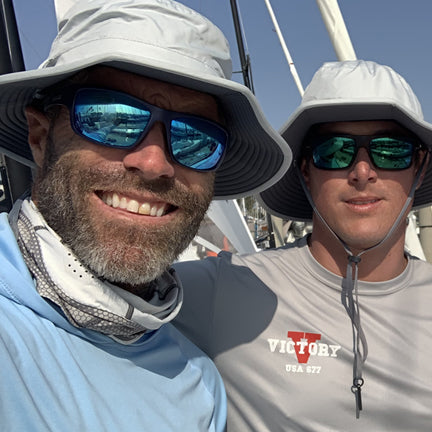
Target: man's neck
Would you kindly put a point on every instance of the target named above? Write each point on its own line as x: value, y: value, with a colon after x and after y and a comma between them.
x: 144, y: 291
x: 380, y: 264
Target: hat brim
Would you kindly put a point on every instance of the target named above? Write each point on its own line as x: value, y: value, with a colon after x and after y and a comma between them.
x: 256, y: 156
x: 286, y: 198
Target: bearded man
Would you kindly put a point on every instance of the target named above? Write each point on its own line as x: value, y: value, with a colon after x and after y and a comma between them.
x: 133, y: 126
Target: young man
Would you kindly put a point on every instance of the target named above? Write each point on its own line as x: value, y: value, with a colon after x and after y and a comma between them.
x: 127, y: 122
x: 331, y: 333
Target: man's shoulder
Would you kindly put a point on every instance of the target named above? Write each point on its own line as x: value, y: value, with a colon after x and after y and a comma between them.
x: 205, y: 278
x: 14, y: 273
x: 282, y: 253
x: 226, y: 259
x: 420, y: 270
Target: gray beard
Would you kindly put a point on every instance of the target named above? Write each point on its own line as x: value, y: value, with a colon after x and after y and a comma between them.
x: 117, y: 251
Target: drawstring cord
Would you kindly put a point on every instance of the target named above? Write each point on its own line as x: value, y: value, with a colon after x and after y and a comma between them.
x: 360, y: 348
x: 349, y: 296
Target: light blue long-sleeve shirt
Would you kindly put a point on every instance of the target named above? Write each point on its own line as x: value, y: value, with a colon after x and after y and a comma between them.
x: 56, y: 377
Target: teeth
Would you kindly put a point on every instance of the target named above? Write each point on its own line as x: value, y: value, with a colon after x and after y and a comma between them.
x: 133, y: 206
x: 123, y: 203
x: 115, y: 200
x: 144, y: 209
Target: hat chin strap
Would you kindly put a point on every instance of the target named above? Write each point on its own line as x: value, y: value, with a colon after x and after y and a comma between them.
x: 349, y: 295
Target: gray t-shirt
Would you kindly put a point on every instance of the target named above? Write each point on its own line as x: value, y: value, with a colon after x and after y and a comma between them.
x: 276, y: 328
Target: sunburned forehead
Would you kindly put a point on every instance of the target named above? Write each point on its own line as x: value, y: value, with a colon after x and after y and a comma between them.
x: 363, y: 127
x: 160, y: 93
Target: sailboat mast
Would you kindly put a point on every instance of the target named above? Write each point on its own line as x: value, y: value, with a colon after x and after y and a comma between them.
x: 244, y: 58
x: 11, y: 57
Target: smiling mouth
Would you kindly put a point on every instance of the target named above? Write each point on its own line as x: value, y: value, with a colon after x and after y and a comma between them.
x: 116, y: 200
x: 362, y: 201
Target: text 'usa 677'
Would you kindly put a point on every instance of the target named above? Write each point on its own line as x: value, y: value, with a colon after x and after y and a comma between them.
x: 298, y: 368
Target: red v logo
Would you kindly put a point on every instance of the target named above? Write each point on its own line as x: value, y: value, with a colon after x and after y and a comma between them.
x: 301, y: 344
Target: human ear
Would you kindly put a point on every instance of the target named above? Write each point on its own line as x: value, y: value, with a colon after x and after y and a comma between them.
x: 304, y: 170
x: 38, y: 130
x: 423, y: 154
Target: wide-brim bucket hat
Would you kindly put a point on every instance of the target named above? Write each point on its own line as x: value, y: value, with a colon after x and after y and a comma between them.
x: 346, y: 91
x: 159, y: 39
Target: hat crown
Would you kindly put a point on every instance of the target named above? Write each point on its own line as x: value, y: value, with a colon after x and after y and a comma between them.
x: 361, y: 82
x: 162, y: 29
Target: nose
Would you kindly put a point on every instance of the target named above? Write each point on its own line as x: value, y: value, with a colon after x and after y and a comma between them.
x: 362, y: 170
x: 150, y: 156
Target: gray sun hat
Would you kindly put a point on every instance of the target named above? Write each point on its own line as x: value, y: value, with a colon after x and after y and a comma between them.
x: 159, y: 39
x: 346, y: 91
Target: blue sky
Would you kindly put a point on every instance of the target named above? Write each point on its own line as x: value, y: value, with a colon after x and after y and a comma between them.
x: 393, y: 32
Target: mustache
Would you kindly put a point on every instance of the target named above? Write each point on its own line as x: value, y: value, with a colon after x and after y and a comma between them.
x: 126, y: 180
x: 122, y: 181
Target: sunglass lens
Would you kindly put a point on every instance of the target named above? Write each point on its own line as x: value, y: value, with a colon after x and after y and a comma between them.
x: 196, y: 143
x: 103, y: 118
x: 117, y: 120
x: 391, y: 153
x: 334, y: 153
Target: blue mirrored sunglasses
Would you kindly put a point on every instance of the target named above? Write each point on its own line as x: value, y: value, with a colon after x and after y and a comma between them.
x: 333, y: 152
x: 118, y: 120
